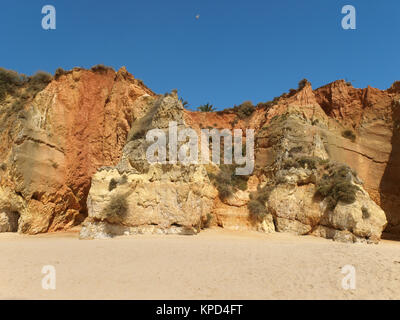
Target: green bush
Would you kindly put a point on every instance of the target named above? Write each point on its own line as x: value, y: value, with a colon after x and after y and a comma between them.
x: 348, y: 134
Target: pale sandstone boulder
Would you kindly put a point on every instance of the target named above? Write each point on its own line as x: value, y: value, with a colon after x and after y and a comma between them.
x: 299, y: 163
x: 294, y: 209
x: 297, y: 210
x: 145, y: 197
x: 10, y: 207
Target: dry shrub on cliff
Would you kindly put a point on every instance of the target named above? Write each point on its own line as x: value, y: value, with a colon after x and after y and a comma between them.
x: 115, y: 182
x: 101, y: 68
x: 302, y: 162
x: 206, y: 221
x: 308, y: 162
x: 302, y: 84
x: 112, y: 185
x: 17, y: 105
x: 59, y: 72
x: 336, y: 185
x: 257, y: 209
x: 245, y: 110
x: 227, y: 181
x: 9, y: 82
x: 257, y: 204
x: 348, y: 134
x: 38, y: 82
x: 290, y: 163
x: 294, y: 150
x: 117, y: 208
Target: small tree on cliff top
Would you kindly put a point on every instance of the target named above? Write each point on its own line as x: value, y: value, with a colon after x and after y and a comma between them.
x: 206, y: 108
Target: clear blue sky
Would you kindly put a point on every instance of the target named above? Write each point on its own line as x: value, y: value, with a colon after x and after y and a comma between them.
x: 236, y: 51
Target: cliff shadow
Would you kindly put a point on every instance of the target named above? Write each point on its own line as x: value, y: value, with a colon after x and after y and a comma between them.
x: 389, y: 187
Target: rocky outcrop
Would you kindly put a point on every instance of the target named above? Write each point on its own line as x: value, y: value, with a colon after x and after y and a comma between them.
x: 298, y: 185
x: 372, y: 115
x: 141, y: 197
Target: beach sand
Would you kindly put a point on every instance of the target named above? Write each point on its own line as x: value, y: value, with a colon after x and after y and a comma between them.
x: 215, y: 264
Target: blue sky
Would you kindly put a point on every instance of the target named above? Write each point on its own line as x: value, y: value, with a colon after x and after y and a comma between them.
x: 236, y: 51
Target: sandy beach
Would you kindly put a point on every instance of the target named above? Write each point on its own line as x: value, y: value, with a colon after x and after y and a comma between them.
x: 216, y: 264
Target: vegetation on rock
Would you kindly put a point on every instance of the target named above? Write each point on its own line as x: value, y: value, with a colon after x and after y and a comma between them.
x: 349, y: 134
x: 302, y: 84
x: 101, y: 68
x: 245, y: 110
x: 336, y: 185
x: 258, y: 200
x: 227, y: 181
x: 206, y: 108
x: 59, y: 72
x: 116, y: 182
x: 117, y: 208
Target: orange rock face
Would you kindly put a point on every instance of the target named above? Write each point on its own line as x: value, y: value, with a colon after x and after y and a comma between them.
x: 76, y: 125
x: 372, y: 114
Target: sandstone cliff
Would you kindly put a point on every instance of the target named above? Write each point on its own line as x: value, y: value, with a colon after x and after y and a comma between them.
x: 327, y: 162
x: 51, y: 147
